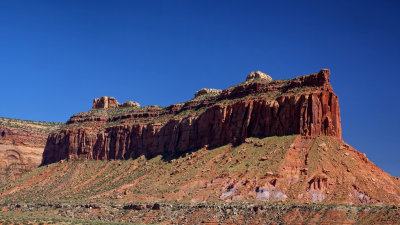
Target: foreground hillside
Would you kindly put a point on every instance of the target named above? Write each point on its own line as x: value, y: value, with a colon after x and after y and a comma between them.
x: 261, y: 180
x: 198, y: 213
x: 288, y: 169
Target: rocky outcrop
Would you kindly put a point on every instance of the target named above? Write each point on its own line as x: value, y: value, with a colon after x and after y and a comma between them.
x: 258, y: 75
x: 21, y: 145
x: 130, y: 104
x: 105, y: 103
x: 110, y: 103
x: 22, y: 142
x: 205, y: 91
x: 309, y: 112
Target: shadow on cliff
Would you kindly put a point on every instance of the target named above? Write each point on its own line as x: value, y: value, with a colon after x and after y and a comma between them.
x: 169, y: 157
x: 50, y: 156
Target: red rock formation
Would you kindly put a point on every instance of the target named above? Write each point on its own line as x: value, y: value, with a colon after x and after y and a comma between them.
x: 105, y: 103
x: 21, y: 145
x: 110, y: 102
x: 21, y: 136
x: 305, y: 105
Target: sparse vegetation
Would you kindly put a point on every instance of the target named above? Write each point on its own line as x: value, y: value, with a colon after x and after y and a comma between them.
x: 36, y: 126
x: 82, y: 180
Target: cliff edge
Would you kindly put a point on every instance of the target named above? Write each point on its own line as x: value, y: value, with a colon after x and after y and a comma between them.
x: 262, y: 140
x: 258, y: 107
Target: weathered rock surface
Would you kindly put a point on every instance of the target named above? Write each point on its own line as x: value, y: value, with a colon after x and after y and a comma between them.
x: 21, y: 145
x: 110, y: 103
x: 205, y: 91
x: 130, y: 104
x: 305, y: 105
x: 105, y: 103
x: 258, y: 75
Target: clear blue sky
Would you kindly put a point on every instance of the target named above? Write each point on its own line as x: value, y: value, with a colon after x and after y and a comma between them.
x: 56, y: 56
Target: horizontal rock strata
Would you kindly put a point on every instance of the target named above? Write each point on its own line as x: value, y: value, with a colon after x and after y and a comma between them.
x: 305, y: 105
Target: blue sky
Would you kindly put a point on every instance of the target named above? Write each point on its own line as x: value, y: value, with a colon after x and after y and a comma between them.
x: 56, y: 56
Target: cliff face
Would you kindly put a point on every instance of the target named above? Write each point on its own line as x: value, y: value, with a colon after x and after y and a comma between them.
x: 305, y: 105
x: 21, y: 145
x: 261, y: 140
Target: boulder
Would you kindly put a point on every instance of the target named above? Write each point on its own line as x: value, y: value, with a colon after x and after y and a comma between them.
x: 130, y: 104
x: 258, y: 75
x: 207, y: 91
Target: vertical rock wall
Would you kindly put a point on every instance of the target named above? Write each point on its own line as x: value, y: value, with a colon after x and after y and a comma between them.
x: 309, y: 114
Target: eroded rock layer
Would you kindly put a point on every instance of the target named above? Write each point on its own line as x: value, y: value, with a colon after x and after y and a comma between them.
x: 22, y: 144
x: 305, y: 105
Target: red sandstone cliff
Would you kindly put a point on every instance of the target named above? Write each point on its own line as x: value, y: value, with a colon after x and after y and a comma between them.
x: 305, y: 105
x: 230, y: 161
x: 21, y: 145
